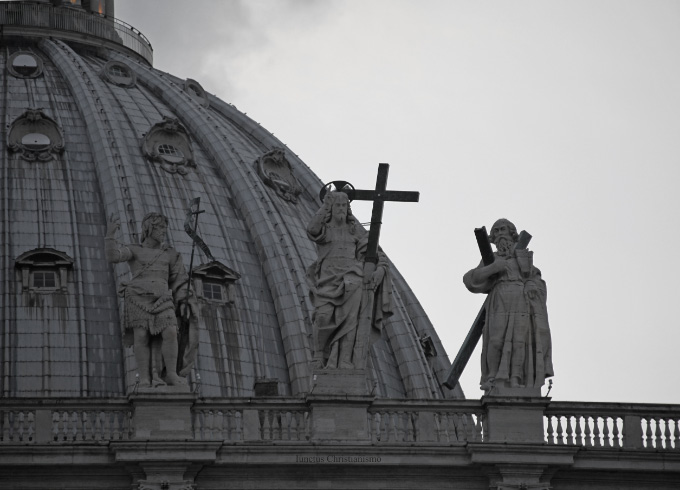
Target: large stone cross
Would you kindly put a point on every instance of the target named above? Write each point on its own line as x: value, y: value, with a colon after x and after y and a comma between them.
x: 378, y: 196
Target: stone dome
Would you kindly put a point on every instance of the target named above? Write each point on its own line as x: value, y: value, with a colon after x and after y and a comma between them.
x: 92, y: 130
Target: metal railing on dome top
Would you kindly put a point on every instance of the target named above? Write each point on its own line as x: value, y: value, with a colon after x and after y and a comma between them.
x: 66, y: 19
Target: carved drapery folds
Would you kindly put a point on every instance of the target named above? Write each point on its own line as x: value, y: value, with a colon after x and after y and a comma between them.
x: 44, y: 270
x: 215, y: 282
x: 167, y: 143
x: 35, y: 137
x: 275, y: 171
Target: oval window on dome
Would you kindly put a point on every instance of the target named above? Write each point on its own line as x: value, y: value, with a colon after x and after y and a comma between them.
x: 25, y: 65
x: 118, y: 73
x: 35, y: 141
x: 170, y: 153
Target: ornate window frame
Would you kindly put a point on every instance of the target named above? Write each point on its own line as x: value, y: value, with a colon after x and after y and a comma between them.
x: 196, y: 92
x: 17, y: 74
x: 214, y: 274
x: 276, y: 172
x: 40, y: 264
x: 34, y: 123
x: 127, y: 80
x: 167, y: 143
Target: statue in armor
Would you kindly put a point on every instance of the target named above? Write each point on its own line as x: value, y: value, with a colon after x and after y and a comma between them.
x: 154, y: 297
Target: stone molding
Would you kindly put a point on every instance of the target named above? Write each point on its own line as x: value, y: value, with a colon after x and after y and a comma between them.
x: 35, y: 137
x: 275, y: 170
x: 161, y: 143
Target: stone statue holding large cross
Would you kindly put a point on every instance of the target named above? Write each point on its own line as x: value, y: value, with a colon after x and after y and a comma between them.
x: 350, y: 282
x: 336, y: 284
x: 516, y: 344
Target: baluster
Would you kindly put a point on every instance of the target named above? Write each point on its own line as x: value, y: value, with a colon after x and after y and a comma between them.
x: 377, y: 421
x: 285, y: 417
x: 218, y: 432
x: 55, y: 426
x: 5, y: 425
x: 99, y: 422
x: 20, y: 426
x: 658, y: 442
x: 579, y: 438
x: 439, y: 423
x: 616, y: 433
x: 278, y: 424
x: 649, y: 434
x: 677, y: 434
x: 549, y: 436
x: 269, y: 419
x: 606, y: 433
x: 208, y: 421
x: 597, y: 442
x: 87, y: 425
x: 80, y: 426
x: 72, y: 428
x: 413, y: 427
x: 570, y: 431
x: 667, y: 438
x: 479, y: 427
x: 560, y: 431
x: 399, y: 426
x: 31, y: 426
x: 589, y: 431
x: 117, y: 421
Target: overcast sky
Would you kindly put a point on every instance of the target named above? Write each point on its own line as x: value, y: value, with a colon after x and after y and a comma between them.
x: 562, y: 116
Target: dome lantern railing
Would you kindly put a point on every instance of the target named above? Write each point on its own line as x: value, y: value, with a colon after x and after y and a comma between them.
x: 22, y: 19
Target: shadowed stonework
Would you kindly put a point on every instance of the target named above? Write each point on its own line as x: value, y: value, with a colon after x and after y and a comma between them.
x: 248, y: 366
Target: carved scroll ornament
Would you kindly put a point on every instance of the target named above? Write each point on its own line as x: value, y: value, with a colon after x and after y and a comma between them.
x: 275, y: 171
x: 35, y: 137
x: 167, y: 143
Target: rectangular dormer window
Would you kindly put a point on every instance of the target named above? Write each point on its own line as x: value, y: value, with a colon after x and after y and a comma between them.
x: 44, y: 280
x: 212, y: 291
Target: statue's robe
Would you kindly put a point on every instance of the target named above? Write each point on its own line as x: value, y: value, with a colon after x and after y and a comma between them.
x: 336, y: 279
x: 513, y: 323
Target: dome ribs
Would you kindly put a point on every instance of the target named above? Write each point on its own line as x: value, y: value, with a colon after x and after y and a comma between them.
x: 250, y: 197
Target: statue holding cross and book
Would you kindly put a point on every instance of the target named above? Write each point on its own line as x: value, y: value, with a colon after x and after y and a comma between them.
x: 350, y: 282
x: 513, y: 323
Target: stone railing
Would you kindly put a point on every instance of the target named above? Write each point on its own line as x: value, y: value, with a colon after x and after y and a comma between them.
x: 29, y: 421
x: 438, y: 421
x: 388, y: 422
x: 31, y: 18
x: 233, y: 420
x: 613, y: 425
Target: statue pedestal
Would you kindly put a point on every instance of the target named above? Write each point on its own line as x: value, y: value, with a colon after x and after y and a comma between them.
x: 162, y: 416
x: 339, y: 382
x: 514, y: 419
x: 339, y: 418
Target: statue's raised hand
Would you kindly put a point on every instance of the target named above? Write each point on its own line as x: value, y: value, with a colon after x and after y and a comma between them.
x: 113, y: 226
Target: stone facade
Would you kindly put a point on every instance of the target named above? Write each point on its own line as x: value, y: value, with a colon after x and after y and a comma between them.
x: 119, y: 138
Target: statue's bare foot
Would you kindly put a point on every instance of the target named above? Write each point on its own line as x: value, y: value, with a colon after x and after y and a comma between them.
x: 157, y: 382
x: 144, y: 383
x: 346, y: 365
x: 174, y: 380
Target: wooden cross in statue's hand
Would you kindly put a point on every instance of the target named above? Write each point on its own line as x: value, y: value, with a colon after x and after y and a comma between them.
x: 378, y: 196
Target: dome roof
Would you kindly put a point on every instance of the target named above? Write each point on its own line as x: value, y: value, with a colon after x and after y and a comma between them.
x: 93, y: 131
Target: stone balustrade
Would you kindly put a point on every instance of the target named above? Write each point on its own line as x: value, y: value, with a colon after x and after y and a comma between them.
x: 389, y: 422
x: 275, y: 419
x: 438, y: 421
x: 613, y: 425
x: 28, y: 421
x: 63, y: 22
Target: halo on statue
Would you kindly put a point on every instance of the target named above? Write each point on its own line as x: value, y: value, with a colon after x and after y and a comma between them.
x: 337, y: 185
